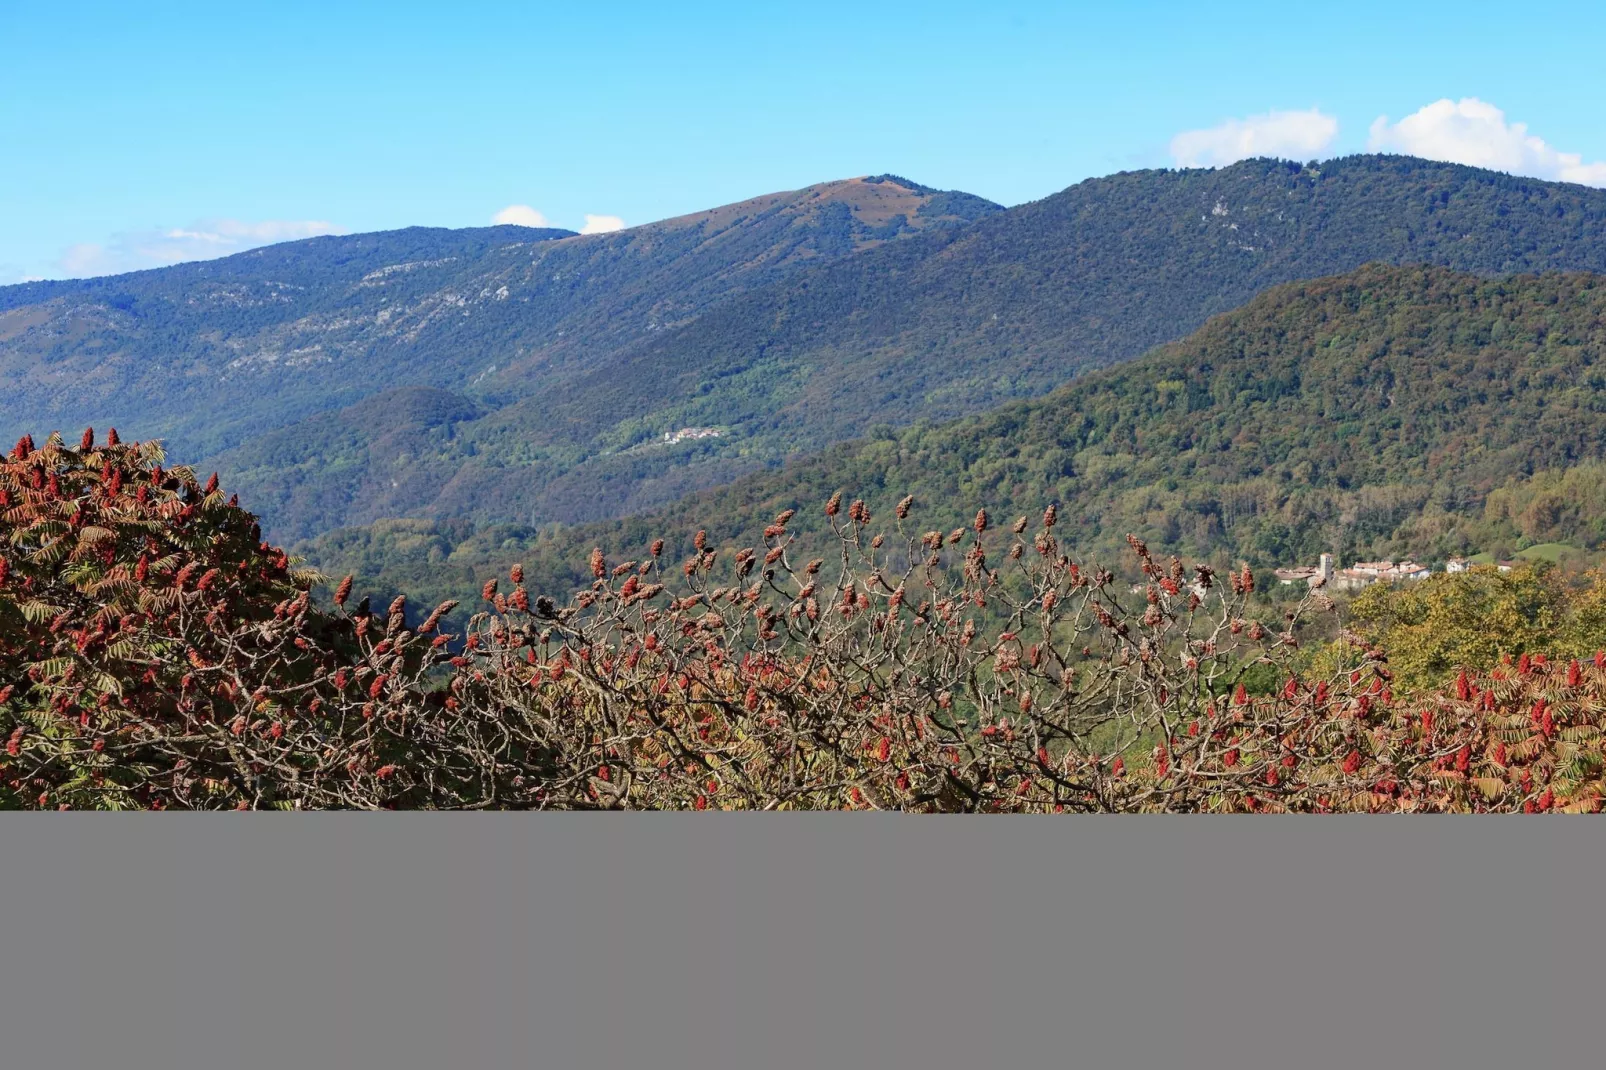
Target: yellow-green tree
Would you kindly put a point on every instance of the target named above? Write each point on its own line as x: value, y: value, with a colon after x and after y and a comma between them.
x: 1433, y: 628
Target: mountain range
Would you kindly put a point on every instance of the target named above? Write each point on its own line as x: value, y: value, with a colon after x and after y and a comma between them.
x: 952, y: 322
x: 463, y: 388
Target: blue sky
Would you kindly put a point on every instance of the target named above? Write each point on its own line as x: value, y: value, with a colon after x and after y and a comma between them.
x: 134, y: 135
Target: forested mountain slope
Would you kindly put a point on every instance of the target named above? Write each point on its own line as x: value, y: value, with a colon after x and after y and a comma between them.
x: 1374, y: 411
x: 950, y: 322
x: 205, y: 354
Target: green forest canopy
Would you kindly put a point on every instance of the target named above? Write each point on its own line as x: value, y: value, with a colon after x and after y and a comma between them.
x: 1389, y: 410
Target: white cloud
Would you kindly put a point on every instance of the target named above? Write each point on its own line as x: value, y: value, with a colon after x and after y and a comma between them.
x: 522, y: 215
x: 1296, y: 135
x: 1474, y: 132
x: 519, y: 215
x: 205, y: 240
x: 85, y: 258
x: 602, y: 224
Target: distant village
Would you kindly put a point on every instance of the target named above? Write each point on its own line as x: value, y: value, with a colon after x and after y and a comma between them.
x: 672, y: 437
x: 1366, y: 573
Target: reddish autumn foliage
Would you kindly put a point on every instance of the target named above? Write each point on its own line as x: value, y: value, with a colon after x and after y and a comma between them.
x: 155, y: 653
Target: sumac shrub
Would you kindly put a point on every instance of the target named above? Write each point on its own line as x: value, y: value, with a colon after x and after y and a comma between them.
x: 156, y: 653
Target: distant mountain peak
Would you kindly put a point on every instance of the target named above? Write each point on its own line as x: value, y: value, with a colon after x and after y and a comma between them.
x: 873, y: 203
